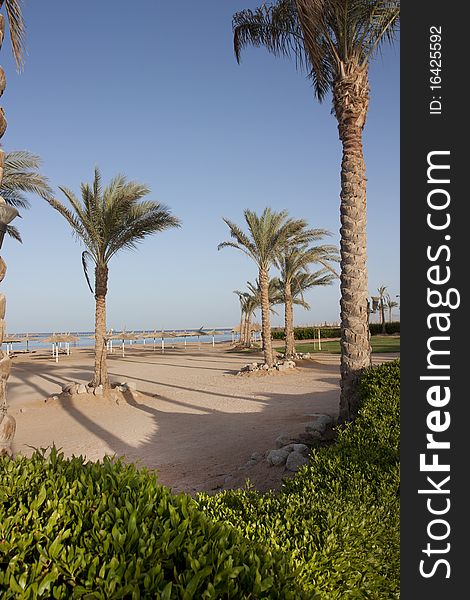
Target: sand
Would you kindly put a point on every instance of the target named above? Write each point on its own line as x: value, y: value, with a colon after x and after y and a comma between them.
x: 192, y: 418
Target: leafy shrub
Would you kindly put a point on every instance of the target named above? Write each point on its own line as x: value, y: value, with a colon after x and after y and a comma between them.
x: 390, y: 328
x: 307, y: 333
x: 338, y: 519
x: 75, y: 529
x: 310, y: 333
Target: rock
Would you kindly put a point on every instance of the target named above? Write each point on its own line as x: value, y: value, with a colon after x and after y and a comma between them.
x: 277, y: 457
x: 121, y: 388
x: 290, y: 363
x: 22, y: 410
x: 314, y: 435
x: 69, y: 388
x: 131, y: 385
x: 81, y: 388
x: 98, y: 390
x: 55, y: 398
x: 7, y: 433
x: 265, y: 367
x: 320, y: 424
x: 299, y: 448
x: 282, y: 367
x: 283, y: 440
x: 295, y: 460
x: 306, y: 355
x: 256, y: 456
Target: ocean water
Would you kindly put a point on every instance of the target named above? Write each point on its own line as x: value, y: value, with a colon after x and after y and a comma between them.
x: 86, y: 339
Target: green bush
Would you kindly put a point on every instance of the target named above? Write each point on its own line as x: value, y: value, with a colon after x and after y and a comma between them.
x: 338, y: 519
x: 390, y: 328
x: 75, y: 529
x: 310, y: 333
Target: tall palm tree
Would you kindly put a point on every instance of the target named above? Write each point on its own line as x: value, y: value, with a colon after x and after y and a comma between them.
x: 106, y: 221
x: 334, y: 40
x: 293, y: 263
x: 16, y: 29
x: 266, y: 235
x: 390, y: 304
x: 20, y: 175
x: 382, y: 299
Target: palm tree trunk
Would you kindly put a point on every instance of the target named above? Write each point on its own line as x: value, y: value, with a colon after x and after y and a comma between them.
x: 382, y: 311
x: 101, y: 289
x: 351, y: 99
x: 241, y: 327
x: 265, y: 322
x: 289, y: 321
x: 248, y: 330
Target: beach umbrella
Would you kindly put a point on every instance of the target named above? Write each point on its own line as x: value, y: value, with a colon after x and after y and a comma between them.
x: 256, y: 328
x: 9, y: 340
x: 124, y: 335
x: 186, y: 334
x: 163, y: 335
x: 213, y: 333
x: 54, y: 339
x: 29, y: 338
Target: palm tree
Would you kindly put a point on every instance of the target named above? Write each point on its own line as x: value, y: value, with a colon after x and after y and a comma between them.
x: 247, y: 306
x: 266, y: 235
x: 334, y: 40
x: 17, y: 32
x: 390, y: 304
x: 382, y: 299
x: 20, y: 175
x: 293, y: 263
x: 250, y: 301
x: 106, y: 221
x: 254, y: 295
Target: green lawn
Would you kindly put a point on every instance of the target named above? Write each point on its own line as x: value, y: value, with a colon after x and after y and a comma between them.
x: 380, y: 343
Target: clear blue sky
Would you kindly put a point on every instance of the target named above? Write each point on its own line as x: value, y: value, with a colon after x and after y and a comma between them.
x: 151, y: 89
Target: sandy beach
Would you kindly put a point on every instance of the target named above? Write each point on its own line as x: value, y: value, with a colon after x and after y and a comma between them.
x: 192, y: 418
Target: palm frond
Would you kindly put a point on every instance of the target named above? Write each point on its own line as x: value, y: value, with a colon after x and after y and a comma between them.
x: 13, y: 232
x: 20, y: 176
x: 17, y: 31
x: 320, y: 35
x: 276, y: 27
x: 85, y: 257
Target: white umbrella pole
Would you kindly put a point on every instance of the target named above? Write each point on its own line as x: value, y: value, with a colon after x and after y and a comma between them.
x: 163, y: 346
x: 57, y: 353
x: 185, y: 342
x: 111, y: 346
x: 319, y: 340
x: 213, y: 341
x: 123, y: 354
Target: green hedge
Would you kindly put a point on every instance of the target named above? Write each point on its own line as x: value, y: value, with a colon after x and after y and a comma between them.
x: 390, y: 328
x: 70, y: 529
x: 307, y: 333
x: 310, y: 333
x: 338, y: 519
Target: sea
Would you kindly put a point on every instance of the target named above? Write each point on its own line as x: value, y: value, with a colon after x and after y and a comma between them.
x: 85, y: 338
